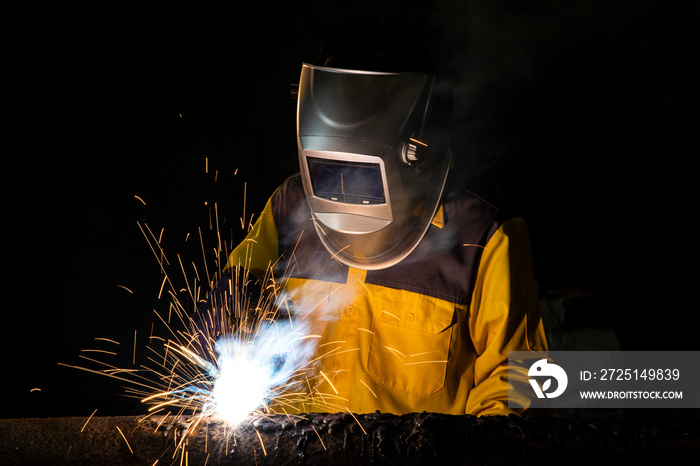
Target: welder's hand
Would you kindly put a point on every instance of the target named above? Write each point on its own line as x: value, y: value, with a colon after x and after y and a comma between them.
x: 218, y: 296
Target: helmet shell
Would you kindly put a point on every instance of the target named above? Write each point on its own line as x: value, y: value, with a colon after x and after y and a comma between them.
x: 371, y: 203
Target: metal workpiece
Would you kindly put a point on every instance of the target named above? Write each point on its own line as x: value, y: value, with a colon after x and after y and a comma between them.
x: 343, y: 438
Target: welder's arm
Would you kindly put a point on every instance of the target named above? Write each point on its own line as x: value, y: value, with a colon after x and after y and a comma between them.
x: 245, y: 267
x: 505, y: 316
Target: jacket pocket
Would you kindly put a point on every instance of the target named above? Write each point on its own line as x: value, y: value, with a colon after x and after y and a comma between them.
x: 410, y: 342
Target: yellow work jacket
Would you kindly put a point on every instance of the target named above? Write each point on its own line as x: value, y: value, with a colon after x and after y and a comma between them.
x: 431, y: 333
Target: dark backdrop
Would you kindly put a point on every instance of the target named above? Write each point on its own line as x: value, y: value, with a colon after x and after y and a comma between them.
x: 582, y: 112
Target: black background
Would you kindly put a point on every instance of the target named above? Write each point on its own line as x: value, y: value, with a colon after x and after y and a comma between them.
x: 585, y: 111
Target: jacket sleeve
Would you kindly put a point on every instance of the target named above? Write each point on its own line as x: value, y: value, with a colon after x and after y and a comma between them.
x: 504, y: 316
x: 258, y: 252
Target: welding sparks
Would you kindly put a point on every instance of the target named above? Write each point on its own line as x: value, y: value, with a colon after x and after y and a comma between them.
x: 250, y: 372
x: 222, y: 358
x: 231, y: 361
x: 125, y: 440
x: 88, y: 420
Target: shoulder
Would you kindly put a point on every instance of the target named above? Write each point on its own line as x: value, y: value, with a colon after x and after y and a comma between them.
x: 475, y: 214
x: 288, y: 198
x: 292, y: 183
x: 290, y: 188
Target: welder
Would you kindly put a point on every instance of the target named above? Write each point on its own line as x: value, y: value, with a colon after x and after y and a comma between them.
x: 416, y: 287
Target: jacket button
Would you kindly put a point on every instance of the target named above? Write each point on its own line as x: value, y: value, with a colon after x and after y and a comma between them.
x: 411, y: 317
x: 349, y: 310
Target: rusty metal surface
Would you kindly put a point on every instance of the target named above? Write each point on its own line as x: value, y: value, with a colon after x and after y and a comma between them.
x: 338, y: 439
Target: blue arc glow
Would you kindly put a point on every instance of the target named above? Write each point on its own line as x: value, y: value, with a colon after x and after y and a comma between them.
x: 255, y: 369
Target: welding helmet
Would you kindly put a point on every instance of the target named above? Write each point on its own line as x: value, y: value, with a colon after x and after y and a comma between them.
x: 374, y: 156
